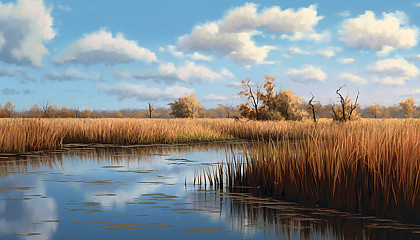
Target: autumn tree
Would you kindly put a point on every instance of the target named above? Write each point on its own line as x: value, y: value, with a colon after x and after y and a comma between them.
x: 8, y: 109
x: 268, y: 103
x: 408, y: 107
x: 185, y: 107
x: 35, y: 111
x: 374, y: 110
x: 86, y: 113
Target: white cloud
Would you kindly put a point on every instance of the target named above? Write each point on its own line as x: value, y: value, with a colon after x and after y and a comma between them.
x: 239, y: 46
x: 101, y: 47
x: 274, y: 20
x: 64, y: 8
x: 308, y: 36
x: 198, y: 56
x: 240, y: 19
x: 214, y: 97
x: 346, y: 60
x: 194, y: 56
x: 417, y: 5
x: 226, y: 73
x: 193, y: 72
x: 325, y: 53
x: 353, y: 78
x: 393, y: 71
x: 71, y: 74
x: 366, y: 31
x: 295, y: 51
x: 189, y: 73
x: 232, y: 35
x: 306, y: 74
x: 414, y: 58
x: 24, y: 29
x: 140, y: 92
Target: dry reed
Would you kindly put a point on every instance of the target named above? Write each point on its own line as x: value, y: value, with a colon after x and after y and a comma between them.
x: 370, y: 167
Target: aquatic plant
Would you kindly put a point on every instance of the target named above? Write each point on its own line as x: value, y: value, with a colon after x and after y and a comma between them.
x: 370, y: 167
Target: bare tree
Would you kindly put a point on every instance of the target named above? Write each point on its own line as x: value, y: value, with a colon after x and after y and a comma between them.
x: 346, y: 109
x: 150, y: 110
x: 253, y: 97
x: 45, y: 106
x: 227, y: 109
x: 312, y: 108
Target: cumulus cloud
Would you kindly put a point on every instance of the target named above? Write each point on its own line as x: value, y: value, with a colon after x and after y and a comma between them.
x: 232, y: 35
x: 71, y: 74
x: 346, y: 60
x: 168, y: 73
x: 353, y: 78
x: 140, y: 92
x: 102, y: 47
x: 25, y: 26
x: 325, y: 53
x: 275, y: 20
x: 390, y: 32
x: 295, y: 51
x: 308, y: 74
x: 199, y: 56
x: 393, y: 71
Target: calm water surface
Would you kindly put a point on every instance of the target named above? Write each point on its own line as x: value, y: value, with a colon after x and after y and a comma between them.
x: 148, y: 193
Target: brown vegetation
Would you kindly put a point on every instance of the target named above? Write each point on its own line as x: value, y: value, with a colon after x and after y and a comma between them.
x: 370, y: 166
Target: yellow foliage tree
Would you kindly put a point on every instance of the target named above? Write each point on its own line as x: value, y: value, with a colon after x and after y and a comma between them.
x: 265, y: 103
x: 408, y: 107
x: 8, y: 109
x: 375, y: 109
x: 185, y: 107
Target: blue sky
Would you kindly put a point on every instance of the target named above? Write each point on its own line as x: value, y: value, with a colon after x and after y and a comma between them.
x: 100, y: 54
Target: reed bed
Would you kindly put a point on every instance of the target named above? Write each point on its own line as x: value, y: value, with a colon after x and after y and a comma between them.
x: 23, y: 135
x: 370, y: 167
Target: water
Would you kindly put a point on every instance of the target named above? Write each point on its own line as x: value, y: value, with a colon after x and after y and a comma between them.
x: 100, y: 192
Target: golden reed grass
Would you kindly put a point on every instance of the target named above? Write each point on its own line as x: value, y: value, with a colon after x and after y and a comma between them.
x: 370, y: 166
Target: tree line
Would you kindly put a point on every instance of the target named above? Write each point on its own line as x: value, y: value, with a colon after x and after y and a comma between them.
x: 266, y: 101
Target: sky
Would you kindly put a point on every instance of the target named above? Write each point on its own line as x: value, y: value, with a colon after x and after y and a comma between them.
x: 109, y: 55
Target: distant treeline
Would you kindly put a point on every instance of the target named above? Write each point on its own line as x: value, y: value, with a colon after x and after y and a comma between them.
x: 222, y: 111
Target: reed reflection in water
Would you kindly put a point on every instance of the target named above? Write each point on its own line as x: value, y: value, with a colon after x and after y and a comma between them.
x: 248, y: 214
x: 108, y: 187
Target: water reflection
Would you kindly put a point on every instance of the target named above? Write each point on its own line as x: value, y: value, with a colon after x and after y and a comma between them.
x: 84, y: 191
x: 25, y: 209
x: 287, y: 220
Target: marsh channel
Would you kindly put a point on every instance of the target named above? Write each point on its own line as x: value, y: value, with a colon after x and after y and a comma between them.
x: 147, y: 192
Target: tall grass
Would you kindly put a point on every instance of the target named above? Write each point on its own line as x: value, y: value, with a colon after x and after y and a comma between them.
x: 370, y: 167
x: 23, y: 135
